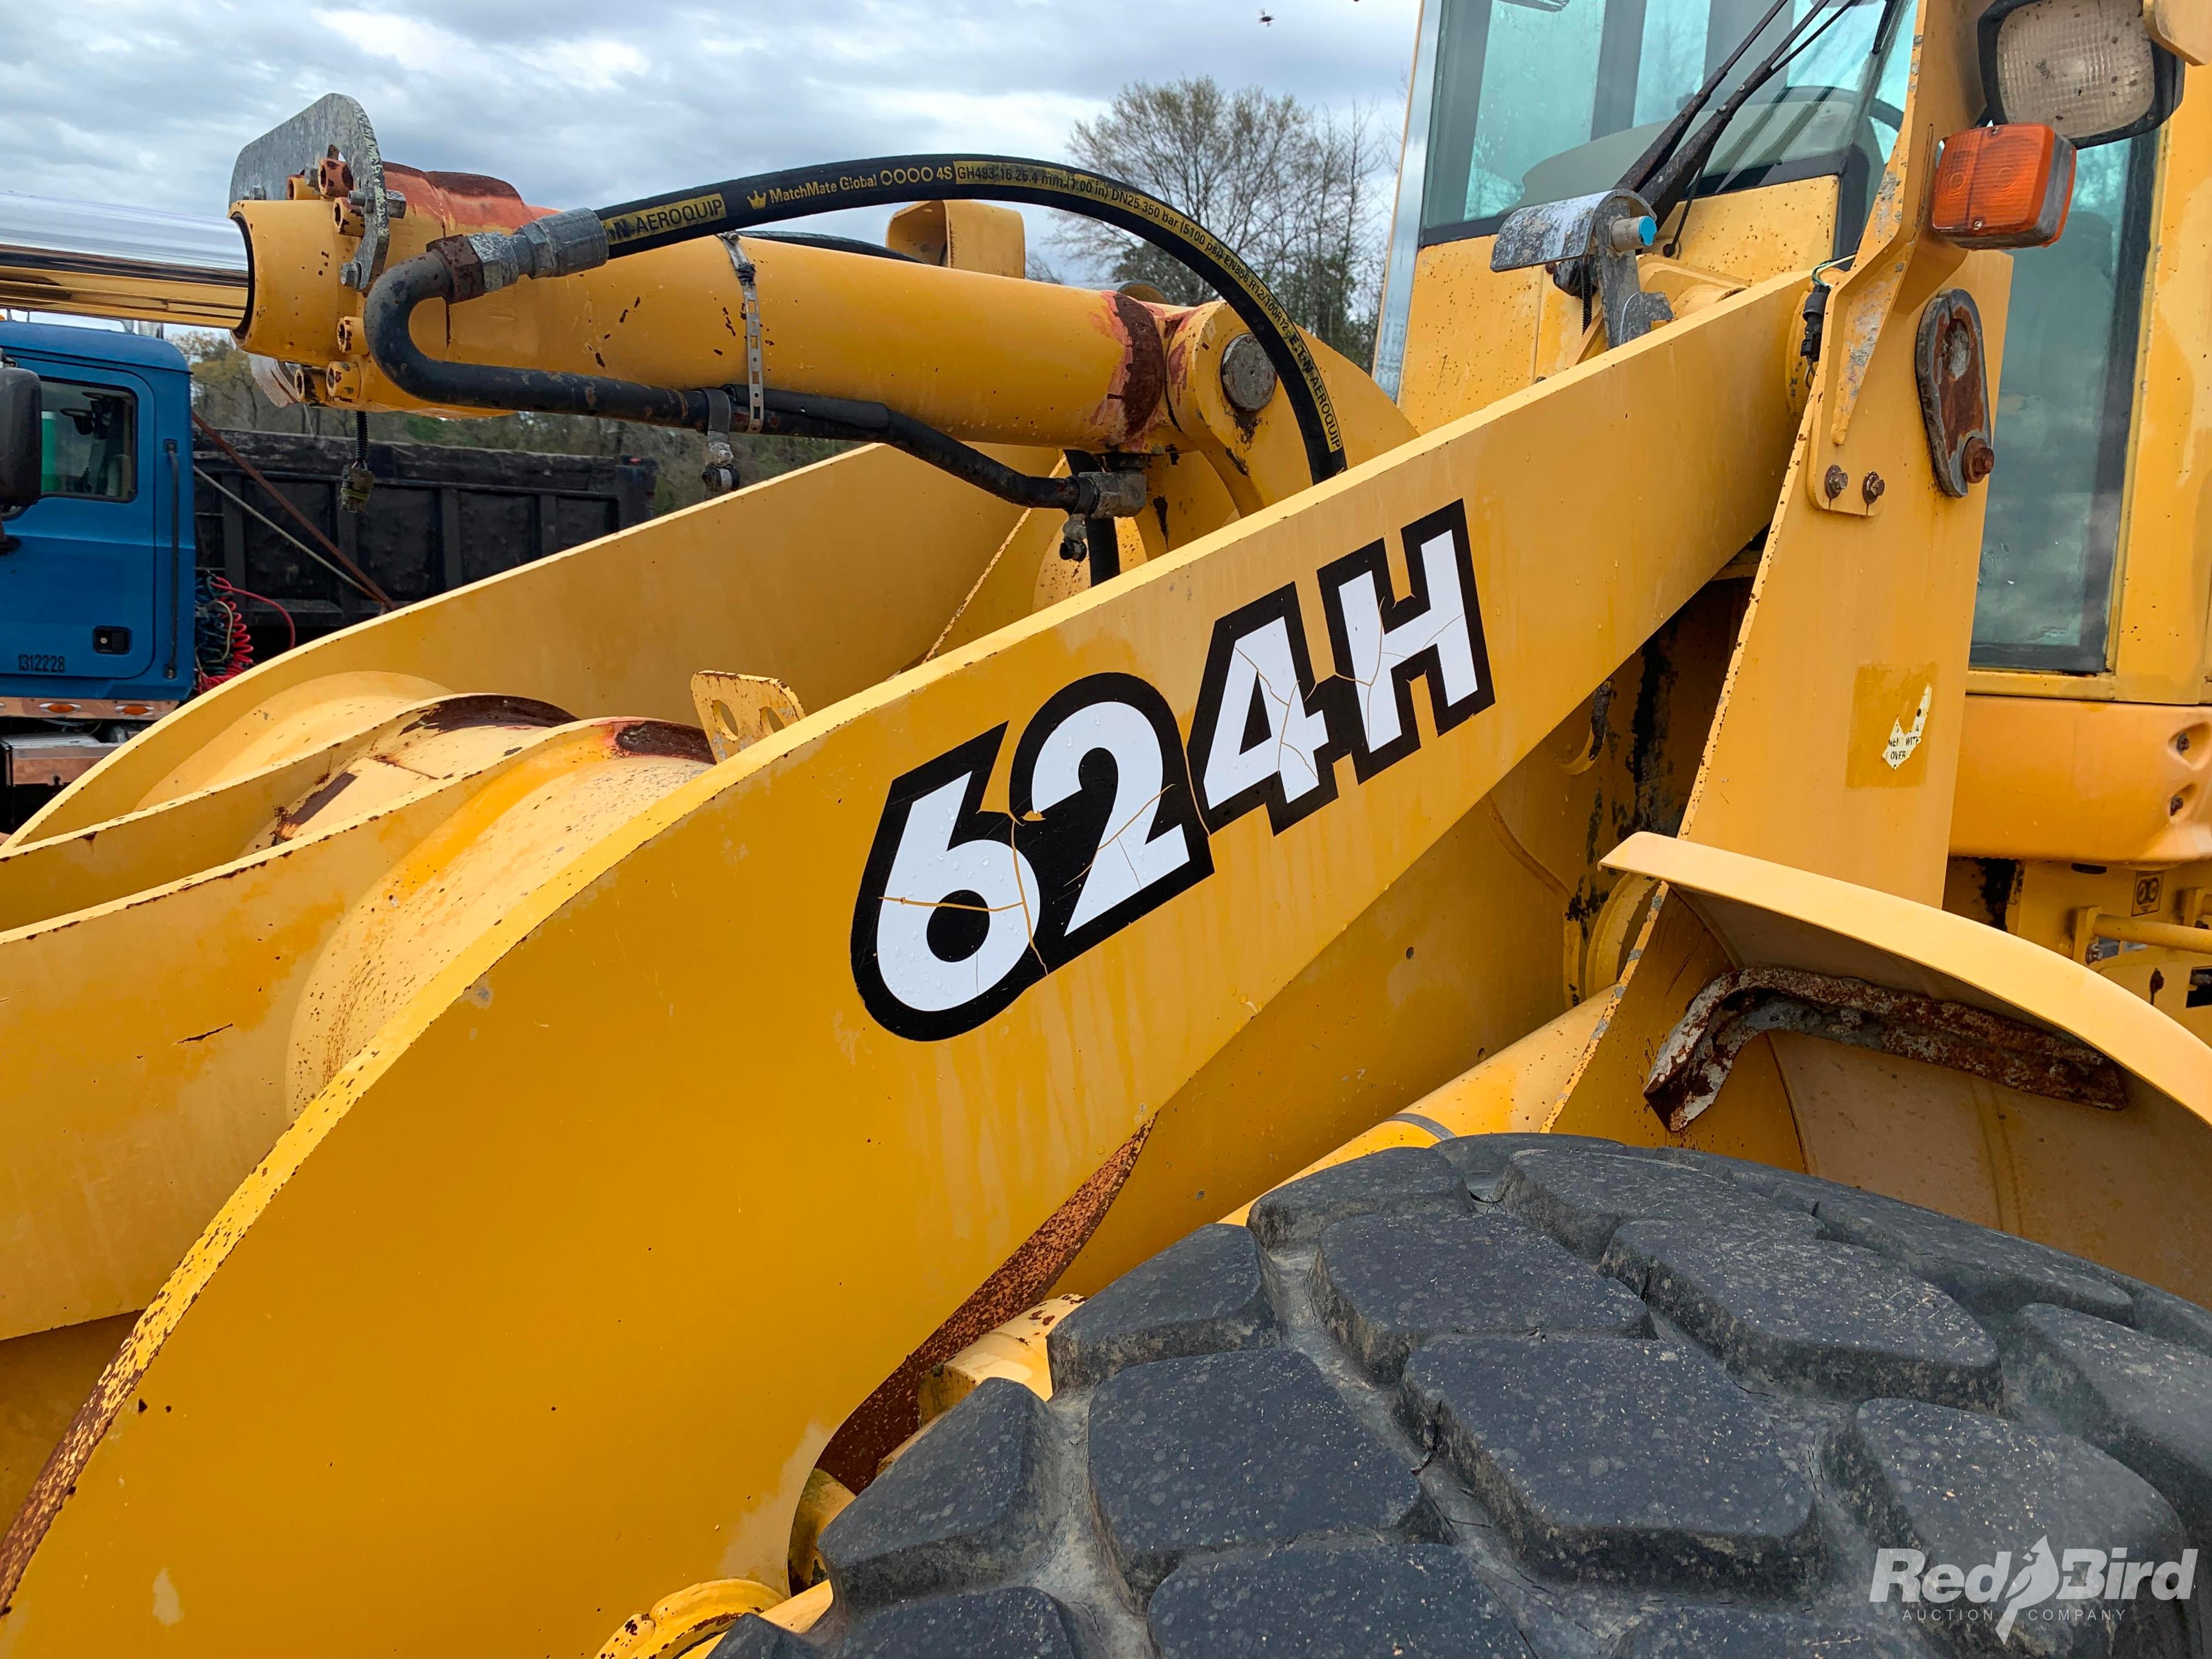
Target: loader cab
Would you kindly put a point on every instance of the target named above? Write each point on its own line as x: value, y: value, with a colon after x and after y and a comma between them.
x: 94, y: 582
x: 1519, y: 102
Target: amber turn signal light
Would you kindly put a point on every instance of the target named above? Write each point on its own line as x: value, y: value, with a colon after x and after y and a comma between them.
x: 2005, y: 187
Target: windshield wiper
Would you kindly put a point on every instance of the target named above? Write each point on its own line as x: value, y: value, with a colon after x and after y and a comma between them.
x: 1665, y: 173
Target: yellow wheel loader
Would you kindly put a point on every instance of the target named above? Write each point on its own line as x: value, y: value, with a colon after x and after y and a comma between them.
x: 1554, y: 1001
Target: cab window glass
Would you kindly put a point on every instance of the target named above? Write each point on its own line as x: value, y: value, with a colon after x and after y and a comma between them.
x: 90, y: 442
x: 1536, y: 100
x: 2065, y: 401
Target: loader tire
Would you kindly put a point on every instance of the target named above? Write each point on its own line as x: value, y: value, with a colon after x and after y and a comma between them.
x: 1545, y: 1395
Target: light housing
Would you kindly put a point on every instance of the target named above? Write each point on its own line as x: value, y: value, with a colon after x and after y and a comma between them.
x: 2006, y: 186
x: 2089, y: 69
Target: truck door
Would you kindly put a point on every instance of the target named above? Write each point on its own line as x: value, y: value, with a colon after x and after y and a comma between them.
x: 77, y: 593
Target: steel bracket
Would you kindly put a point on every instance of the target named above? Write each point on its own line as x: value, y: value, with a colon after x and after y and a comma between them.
x: 333, y: 127
x: 1600, y: 233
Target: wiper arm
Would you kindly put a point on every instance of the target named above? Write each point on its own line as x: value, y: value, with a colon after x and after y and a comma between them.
x: 1672, y: 181
x: 1639, y: 173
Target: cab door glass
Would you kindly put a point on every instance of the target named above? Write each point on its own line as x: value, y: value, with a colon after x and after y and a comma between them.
x: 88, y: 442
x: 2065, y: 402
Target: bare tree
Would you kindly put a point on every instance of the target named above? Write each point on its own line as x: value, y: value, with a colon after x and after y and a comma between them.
x: 1297, y: 190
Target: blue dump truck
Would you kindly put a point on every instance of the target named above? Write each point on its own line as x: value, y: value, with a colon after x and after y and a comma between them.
x: 142, y: 560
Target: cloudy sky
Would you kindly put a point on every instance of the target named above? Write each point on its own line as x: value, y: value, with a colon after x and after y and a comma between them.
x: 587, y: 103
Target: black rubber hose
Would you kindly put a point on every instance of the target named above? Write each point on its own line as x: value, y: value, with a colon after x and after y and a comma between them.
x: 798, y: 192
x: 409, y: 283
x: 427, y: 277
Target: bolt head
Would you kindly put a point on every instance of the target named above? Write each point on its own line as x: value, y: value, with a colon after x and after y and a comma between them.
x: 1834, y: 481
x: 2174, y: 806
x: 1871, y: 488
x: 1979, y: 460
x: 2181, y: 742
x: 1247, y: 379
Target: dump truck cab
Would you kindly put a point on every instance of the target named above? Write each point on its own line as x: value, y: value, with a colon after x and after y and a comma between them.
x: 96, y: 582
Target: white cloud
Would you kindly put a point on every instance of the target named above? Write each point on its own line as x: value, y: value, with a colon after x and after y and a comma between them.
x: 578, y: 103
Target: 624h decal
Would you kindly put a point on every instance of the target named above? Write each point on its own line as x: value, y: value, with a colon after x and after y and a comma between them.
x: 960, y: 910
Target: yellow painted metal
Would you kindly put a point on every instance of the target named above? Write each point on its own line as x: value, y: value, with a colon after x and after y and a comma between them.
x: 965, y: 235
x: 677, y: 1624
x: 825, y: 1497
x: 2173, y: 936
x: 735, y: 711
x: 1015, y: 583
x: 2081, y: 781
x: 990, y: 359
x: 1514, y: 1089
x: 2047, y: 902
x: 1836, y: 746
x: 1448, y: 966
x: 792, y: 579
x: 157, y: 1046
x: 1474, y: 335
x: 804, y: 1611
x: 2182, y: 26
x: 2123, y: 1188
x: 1216, y: 467
x: 674, y: 1013
x: 2162, y: 634
x: 44, y: 1378
x: 1260, y: 460
x: 81, y: 868
x: 1014, y: 1351
x: 1431, y: 976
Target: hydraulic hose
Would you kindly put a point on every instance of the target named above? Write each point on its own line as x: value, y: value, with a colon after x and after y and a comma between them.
x: 797, y: 192
x: 435, y: 275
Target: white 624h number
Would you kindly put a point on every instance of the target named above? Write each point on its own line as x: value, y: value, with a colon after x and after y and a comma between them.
x: 960, y: 909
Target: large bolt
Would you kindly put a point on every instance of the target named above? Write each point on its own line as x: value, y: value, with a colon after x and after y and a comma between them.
x: 1979, y: 460
x: 1871, y: 488
x: 1247, y: 379
x: 1631, y: 235
x: 1833, y: 481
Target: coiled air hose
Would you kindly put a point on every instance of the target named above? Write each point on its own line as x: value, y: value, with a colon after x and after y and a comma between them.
x: 459, y: 269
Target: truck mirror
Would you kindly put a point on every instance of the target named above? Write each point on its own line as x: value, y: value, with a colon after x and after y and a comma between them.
x: 22, y: 448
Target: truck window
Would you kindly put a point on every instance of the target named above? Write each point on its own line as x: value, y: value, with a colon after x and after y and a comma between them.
x: 2065, y: 402
x: 1536, y: 100
x: 90, y: 442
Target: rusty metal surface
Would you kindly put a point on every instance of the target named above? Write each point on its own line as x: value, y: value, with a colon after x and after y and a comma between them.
x: 892, y: 1412
x: 1951, y: 366
x: 1137, y: 391
x: 452, y: 736
x: 1694, y: 1060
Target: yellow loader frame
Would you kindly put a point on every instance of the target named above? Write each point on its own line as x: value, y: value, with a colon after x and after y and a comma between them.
x: 530, y: 1139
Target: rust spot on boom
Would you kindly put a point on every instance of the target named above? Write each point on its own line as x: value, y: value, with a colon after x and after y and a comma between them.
x: 891, y: 1413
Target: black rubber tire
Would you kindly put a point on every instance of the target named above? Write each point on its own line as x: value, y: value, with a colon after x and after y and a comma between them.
x: 1522, y: 1394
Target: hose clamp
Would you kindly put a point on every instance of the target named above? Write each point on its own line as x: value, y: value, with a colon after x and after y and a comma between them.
x: 748, y: 293
x: 720, y: 474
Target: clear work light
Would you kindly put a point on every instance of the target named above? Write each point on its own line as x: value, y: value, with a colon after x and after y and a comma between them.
x: 2089, y: 69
